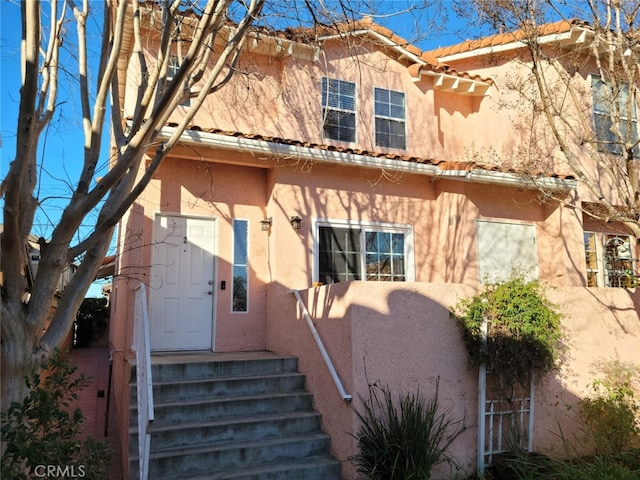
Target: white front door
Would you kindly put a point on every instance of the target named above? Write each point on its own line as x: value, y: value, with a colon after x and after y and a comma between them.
x: 182, y: 284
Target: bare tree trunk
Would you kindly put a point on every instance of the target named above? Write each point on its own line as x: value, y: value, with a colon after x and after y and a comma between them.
x: 18, y: 359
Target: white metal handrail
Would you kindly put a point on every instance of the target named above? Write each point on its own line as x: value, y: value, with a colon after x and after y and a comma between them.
x: 142, y: 347
x: 327, y: 360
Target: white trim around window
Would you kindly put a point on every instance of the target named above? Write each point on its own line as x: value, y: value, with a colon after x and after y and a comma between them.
x: 364, y: 229
x: 339, y: 100
x: 240, y: 266
x: 174, y: 66
x: 609, y: 259
x: 389, y: 118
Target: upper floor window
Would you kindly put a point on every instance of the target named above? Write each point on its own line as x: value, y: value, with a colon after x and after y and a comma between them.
x: 390, y: 118
x: 613, y: 106
x: 338, y: 110
x: 174, y: 66
x: 367, y: 252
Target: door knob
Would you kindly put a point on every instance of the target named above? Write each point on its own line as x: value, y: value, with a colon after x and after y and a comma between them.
x: 210, y: 282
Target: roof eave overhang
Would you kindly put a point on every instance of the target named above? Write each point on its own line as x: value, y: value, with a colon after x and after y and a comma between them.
x: 577, y: 37
x: 507, y: 179
x: 388, y: 43
x: 456, y: 84
x: 274, y: 46
x: 268, y: 149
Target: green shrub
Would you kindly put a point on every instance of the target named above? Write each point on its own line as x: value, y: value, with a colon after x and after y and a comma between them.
x: 612, y: 410
x: 528, y: 467
x: 43, y: 431
x: 524, y: 334
x: 403, y: 439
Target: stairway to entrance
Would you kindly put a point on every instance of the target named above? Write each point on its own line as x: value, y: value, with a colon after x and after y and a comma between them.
x: 233, y: 416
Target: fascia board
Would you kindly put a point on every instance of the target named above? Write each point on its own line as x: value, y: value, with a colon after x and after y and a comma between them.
x: 508, y: 179
x: 272, y: 149
x: 578, y: 34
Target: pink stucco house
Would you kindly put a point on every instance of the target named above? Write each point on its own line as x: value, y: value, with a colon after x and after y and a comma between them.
x: 355, y: 169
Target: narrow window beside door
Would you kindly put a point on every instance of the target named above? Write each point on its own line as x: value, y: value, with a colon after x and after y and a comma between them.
x: 240, y: 267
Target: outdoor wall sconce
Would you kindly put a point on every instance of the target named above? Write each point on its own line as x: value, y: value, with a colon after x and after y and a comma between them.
x: 265, y: 224
x: 296, y: 222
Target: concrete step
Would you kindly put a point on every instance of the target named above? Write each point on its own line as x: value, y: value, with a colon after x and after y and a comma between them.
x: 234, y: 367
x: 222, y: 387
x: 313, y: 468
x: 179, y: 412
x: 237, y: 417
x: 234, y: 456
x: 249, y: 428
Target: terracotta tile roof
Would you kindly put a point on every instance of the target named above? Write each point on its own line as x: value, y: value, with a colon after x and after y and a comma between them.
x: 441, y: 164
x: 416, y: 69
x: 366, y: 24
x: 500, y: 39
x: 316, y: 34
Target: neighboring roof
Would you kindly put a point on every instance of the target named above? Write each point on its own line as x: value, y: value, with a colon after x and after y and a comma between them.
x: 459, y: 170
x: 565, y: 31
x: 107, y: 267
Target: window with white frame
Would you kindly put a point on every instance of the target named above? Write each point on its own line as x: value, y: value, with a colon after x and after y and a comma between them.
x: 240, y: 286
x: 609, y: 260
x: 338, y: 109
x: 363, y: 252
x: 613, y: 105
x: 174, y: 66
x: 618, y: 261
x: 591, y: 257
x: 390, y: 118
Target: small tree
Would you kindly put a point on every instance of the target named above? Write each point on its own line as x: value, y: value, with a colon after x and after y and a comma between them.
x: 523, y: 334
x: 44, y: 429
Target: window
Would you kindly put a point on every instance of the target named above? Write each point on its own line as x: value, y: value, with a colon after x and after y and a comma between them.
x: 339, y: 110
x: 372, y: 253
x: 385, y: 257
x: 618, y: 261
x: 615, y: 253
x: 174, y: 66
x: 608, y: 106
x: 389, y: 113
x: 591, y: 256
x: 504, y: 249
x: 240, y: 266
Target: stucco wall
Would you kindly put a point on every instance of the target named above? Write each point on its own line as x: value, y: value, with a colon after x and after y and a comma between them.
x: 442, y: 213
x: 402, y: 335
